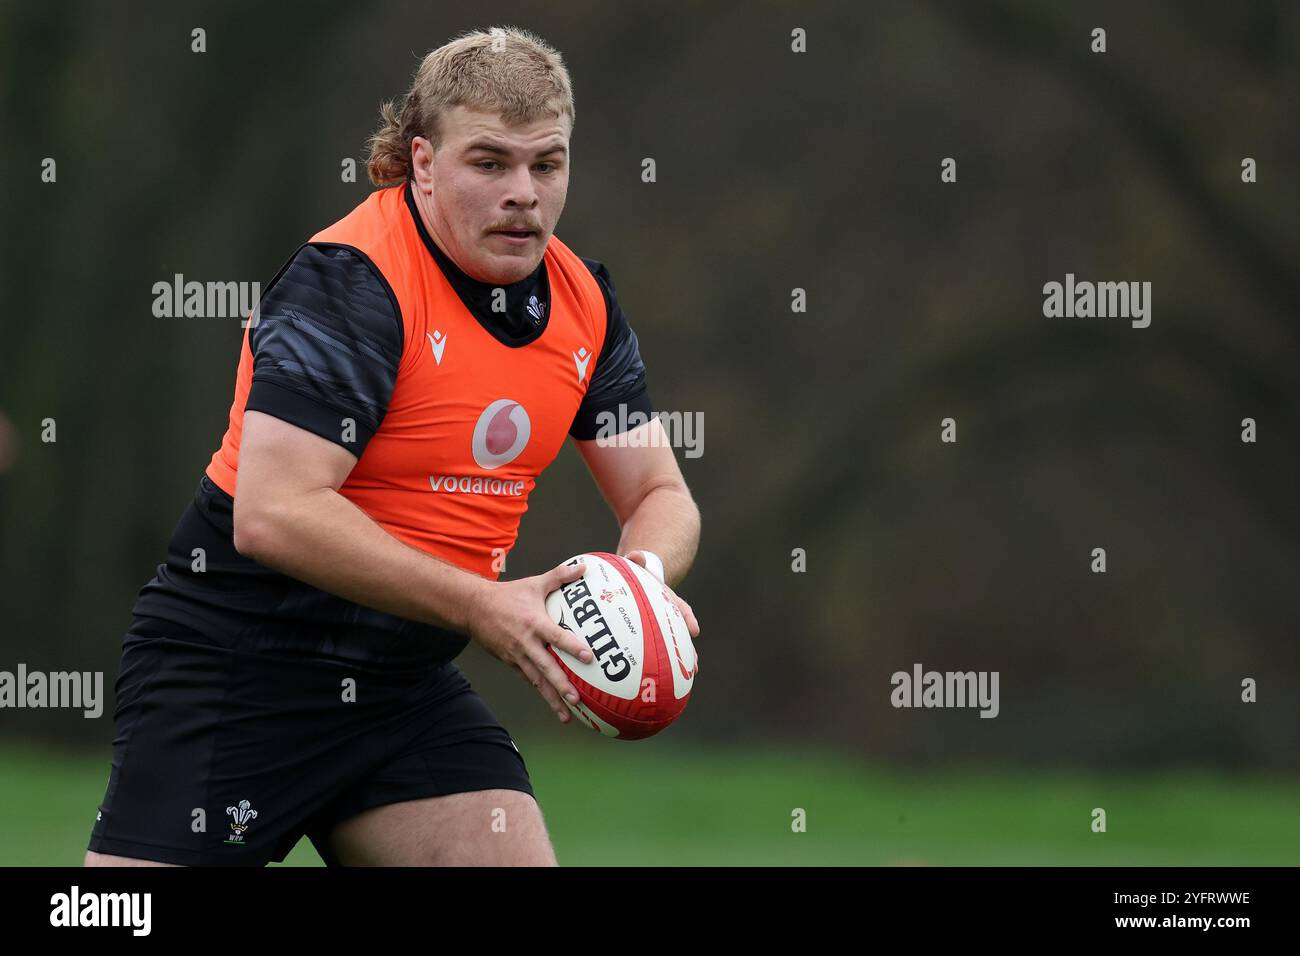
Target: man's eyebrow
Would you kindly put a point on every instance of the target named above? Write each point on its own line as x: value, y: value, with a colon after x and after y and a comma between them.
x: 491, y: 146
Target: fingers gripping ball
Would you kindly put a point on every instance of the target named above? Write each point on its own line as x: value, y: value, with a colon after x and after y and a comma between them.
x: 645, y: 662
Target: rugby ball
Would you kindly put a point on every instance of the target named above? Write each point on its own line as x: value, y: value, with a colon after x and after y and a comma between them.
x: 645, y: 663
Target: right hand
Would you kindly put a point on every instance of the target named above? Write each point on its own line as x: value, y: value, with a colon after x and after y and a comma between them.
x: 509, y: 619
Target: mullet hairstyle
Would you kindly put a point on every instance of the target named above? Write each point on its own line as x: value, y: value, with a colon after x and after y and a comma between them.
x: 502, y: 70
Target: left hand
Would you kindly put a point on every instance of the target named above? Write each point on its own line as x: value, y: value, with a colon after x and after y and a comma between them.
x: 692, y: 625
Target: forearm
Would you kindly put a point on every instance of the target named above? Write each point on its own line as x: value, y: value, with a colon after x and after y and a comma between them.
x: 325, y: 540
x: 666, y: 522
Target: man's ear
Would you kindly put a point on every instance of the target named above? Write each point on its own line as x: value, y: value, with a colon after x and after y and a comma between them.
x: 422, y: 162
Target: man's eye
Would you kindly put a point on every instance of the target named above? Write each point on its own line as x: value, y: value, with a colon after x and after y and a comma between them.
x: 550, y: 167
x: 485, y: 163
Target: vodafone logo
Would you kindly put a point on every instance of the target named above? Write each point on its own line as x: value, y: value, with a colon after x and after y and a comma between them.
x: 501, y: 433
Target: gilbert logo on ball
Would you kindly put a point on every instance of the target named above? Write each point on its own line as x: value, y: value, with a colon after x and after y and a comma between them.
x: 645, y: 663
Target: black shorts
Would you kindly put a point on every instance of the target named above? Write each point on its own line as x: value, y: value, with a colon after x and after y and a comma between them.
x: 226, y: 757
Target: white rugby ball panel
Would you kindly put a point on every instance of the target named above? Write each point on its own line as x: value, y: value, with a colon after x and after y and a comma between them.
x: 623, y: 612
x: 599, y: 607
x: 676, y: 638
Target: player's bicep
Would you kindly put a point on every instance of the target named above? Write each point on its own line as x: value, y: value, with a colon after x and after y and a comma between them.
x: 326, y: 352
x: 280, y: 462
x: 627, y: 468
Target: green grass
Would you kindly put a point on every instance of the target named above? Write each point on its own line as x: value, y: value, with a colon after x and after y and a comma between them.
x: 607, y: 803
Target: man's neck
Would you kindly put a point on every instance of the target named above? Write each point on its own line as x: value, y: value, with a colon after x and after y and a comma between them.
x: 527, y: 302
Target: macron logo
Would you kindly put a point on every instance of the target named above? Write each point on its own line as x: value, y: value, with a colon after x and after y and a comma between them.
x: 438, y: 341
x: 580, y: 359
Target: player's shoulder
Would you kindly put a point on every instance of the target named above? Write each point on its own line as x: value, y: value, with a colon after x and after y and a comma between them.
x: 379, y: 214
x: 332, y: 290
x: 558, y: 249
x: 381, y: 231
x: 323, y: 272
x: 360, y: 247
x: 599, y: 270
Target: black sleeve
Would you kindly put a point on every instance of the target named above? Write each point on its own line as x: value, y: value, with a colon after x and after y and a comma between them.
x: 619, y: 377
x: 327, y: 344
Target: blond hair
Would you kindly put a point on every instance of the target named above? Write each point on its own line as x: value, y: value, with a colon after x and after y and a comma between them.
x: 502, y: 70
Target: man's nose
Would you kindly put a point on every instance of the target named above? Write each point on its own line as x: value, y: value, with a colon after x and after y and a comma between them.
x: 519, y: 188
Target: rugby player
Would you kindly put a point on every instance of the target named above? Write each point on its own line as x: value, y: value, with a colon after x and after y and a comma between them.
x: 415, y: 366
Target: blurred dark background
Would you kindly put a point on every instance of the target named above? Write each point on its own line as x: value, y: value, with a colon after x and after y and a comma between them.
x: 776, y: 171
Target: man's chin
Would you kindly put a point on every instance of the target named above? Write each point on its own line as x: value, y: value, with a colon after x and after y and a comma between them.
x: 506, y: 268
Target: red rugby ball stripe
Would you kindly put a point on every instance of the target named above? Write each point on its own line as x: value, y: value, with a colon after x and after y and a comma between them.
x: 616, y: 711
x: 649, y: 621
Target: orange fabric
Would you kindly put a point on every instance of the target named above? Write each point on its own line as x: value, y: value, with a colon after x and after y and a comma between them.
x: 484, y: 421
